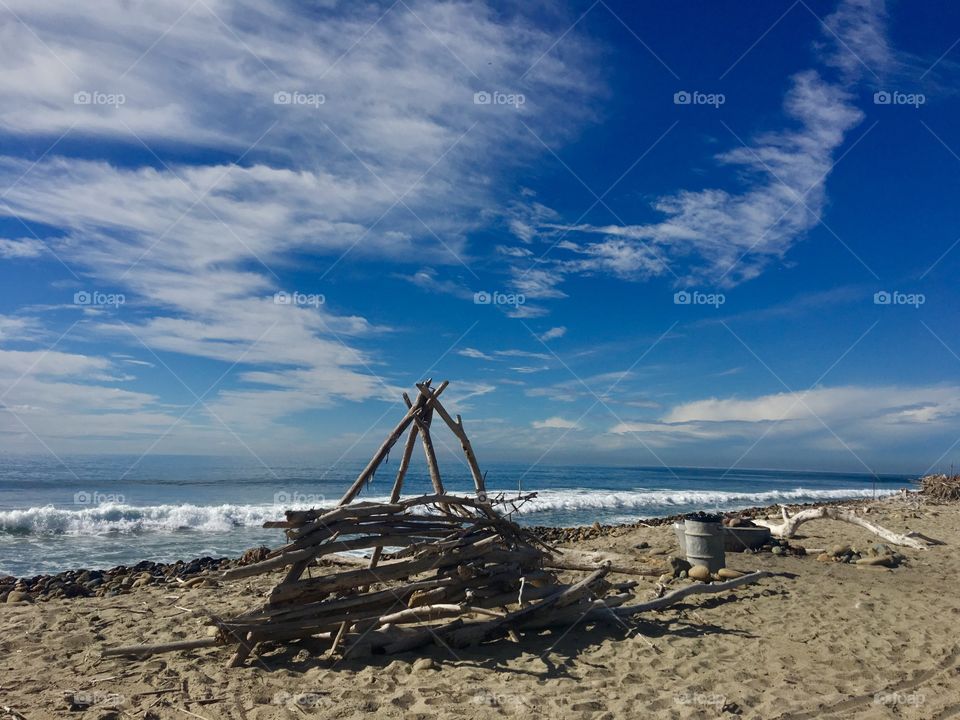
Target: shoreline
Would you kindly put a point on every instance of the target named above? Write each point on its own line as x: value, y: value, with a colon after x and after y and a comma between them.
x: 813, y: 638
x: 123, y: 579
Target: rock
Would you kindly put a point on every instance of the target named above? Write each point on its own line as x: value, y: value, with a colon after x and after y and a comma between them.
x: 728, y: 573
x: 825, y: 558
x: 776, y: 550
x: 678, y: 564
x: 883, y: 560
x: 424, y: 664
x: 642, y: 546
x: 699, y: 572
x: 683, y: 575
x: 838, y: 550
x: 254, y: 555
x: 18, y: 596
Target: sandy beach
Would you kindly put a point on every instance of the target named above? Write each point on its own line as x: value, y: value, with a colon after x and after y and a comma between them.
x: 815, y: 640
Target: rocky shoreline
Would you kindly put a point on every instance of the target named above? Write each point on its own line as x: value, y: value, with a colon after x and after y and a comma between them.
x: 190, y: 573
x: 562, y: 535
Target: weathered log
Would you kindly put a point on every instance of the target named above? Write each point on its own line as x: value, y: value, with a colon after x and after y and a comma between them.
x: 478, y: 632
x: 788, y: 528
x: 146, y: 650
x: 321, y: 550
x: 697, y: 589
x: 572, y: 559
x: 303, y: 589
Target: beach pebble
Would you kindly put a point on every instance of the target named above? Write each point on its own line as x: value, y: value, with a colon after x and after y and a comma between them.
x: 699, y: 572
x: 728, y: 573
x: 825, y: 558
x: 776, y: 550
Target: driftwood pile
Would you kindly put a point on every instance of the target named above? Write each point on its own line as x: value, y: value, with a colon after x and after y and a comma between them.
x: 445, y: 569
x: 940, y: 488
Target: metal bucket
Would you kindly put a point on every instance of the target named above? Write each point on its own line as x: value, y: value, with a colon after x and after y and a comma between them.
x: 680, y: 531
x: 704, y: 544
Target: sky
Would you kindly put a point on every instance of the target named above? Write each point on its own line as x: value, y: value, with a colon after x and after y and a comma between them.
x: 628, y: 233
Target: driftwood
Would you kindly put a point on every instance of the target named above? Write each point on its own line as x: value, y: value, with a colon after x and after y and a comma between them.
x: 788, y: 528
x: 571, y: 559
x: 144, y: 650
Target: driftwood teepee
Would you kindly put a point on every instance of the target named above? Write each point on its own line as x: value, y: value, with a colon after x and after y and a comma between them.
x: 444, y: 569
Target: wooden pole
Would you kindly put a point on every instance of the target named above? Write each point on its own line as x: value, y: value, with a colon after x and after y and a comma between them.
x: 378, y: 457
x: 402, y: 470
x: 423, y: 425
x: 457, y: 428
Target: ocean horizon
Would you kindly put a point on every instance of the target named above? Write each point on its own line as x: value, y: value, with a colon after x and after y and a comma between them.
x: 99, y: 511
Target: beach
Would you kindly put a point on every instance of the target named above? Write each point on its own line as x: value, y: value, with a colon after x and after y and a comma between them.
x: 816, y: 639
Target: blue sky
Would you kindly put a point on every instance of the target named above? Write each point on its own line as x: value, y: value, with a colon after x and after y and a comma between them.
x: 627, y: 233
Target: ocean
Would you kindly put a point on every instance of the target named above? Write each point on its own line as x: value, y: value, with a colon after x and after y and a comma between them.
x: 102, y: 511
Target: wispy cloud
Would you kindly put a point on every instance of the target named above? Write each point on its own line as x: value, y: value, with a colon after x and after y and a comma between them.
x: 725, y: 237
x: 390, y: 160
x: 555, y: 423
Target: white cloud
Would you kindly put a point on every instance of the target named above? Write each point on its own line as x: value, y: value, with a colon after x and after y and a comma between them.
x: 884, y: 404
x: 731, y: 237
x: 555, y: 423
x: 553, y: 333
x: 474, y: 353
x: 21, y: 248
